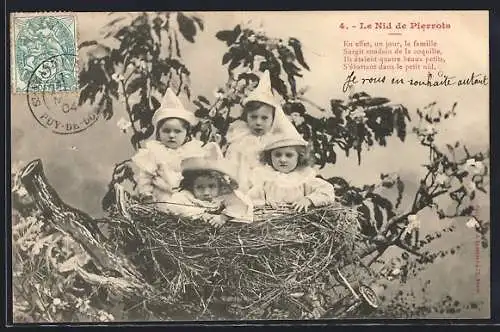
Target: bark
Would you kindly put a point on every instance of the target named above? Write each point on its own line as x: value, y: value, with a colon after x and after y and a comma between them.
x: 79, y: 225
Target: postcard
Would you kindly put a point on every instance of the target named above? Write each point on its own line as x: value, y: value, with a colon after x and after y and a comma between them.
x: 189, y: 166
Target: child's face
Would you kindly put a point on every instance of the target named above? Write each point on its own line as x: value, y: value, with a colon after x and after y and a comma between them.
x: 260, y: 120
x: 206, y: 188
x: 172, y: 133
x: 285, y: 159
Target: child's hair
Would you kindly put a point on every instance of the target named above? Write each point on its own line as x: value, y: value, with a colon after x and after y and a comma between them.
x: 188, y: 178
x: 306, y: 157
x: 252, y: 106
x: 185, y: 124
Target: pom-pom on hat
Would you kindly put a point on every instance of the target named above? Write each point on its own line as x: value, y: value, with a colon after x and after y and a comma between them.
x: 212, y: 161
x: 171, y: 107
x: 263, y: 92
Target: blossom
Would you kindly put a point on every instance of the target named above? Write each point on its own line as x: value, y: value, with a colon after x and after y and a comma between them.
x: 219, y: 93
x: 117, y: 77
x: 358, y: 115
x: 413, y: 223
x: 470, y: 185
x: 123, y: 124
x: 473, y: 166
x: 252, y: 38
x: 56, y: 301
x: 472, y: 223
x: 442, y: 179
x: 428, y: 130
x: 104, y: 316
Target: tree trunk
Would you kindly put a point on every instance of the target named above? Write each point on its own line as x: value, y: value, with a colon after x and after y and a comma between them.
x: 77, y: 224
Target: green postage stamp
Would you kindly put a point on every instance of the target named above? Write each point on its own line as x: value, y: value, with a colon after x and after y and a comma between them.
x: 44, y: 53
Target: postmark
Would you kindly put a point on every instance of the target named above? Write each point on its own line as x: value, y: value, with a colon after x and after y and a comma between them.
x: 54, y: 109
x: 37, y: 38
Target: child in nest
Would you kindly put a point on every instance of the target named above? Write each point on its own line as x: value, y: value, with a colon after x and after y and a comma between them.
x: 262, y: 116
x: 209, y: 191
x: 158, y: 162
x: 286, y: 177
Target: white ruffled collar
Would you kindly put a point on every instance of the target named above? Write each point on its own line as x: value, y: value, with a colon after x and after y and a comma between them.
x: 159, y: 148
x: 292, y: 179
x: 242, y: 134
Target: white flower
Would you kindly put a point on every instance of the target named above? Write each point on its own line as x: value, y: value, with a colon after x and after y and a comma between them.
x: 470, y: 185
x: 473, y: 166
x: 442, y: 179
x: 105, y: 317
x: 123, y: 124
x: 21, y: 191
x: 56, y: 301
x: 252, y: 38
x: 472, y: 223
x: 117, y: 77
x: 428, y: 130
x: 413, y: 223
x: 212, y: 112
x: 359, y: 113
x: 396, y: 271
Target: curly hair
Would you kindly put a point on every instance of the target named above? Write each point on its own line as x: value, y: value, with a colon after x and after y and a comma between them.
x: 306, y: 157
x: 253, y: 106
x: 188, y: 178
x: 185, y: 124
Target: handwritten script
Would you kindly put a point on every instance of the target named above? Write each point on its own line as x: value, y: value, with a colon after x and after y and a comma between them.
x: 438, y: 79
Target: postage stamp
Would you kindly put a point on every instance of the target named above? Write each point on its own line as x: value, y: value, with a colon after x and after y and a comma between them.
x: 37, y: 39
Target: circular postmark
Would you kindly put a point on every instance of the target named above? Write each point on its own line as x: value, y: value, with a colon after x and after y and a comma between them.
x: 51, y: 106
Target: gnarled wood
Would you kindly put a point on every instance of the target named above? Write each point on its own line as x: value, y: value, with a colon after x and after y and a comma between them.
x: 77, y: 224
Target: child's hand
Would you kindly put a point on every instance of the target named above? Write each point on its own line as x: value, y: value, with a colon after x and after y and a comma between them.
x: 302, y: 204
x: 214, y: 220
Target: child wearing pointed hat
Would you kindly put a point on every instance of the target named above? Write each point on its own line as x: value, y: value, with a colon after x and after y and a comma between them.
x: 209, y: 191
x: 159, y: 160
x: 286, y: 175
x: 262, y: 117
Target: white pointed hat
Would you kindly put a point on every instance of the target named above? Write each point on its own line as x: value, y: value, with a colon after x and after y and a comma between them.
x: 263, y: 92
x: 213, y: 160
x: 287, y: 135
x: 171, y: 107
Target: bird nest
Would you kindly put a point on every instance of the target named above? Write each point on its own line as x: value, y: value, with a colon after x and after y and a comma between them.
x: 248, y: 270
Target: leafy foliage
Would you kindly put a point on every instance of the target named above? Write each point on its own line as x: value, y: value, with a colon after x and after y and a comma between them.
x: 138, y: 71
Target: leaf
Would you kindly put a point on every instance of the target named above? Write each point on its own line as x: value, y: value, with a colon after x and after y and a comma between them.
x: 199, y: 21
x: 297, y: 48
x: 229, y: 36
x: 116, y: 20
x: 88, y: 43
x: 226, y: 57
x: 136, y: 84
x: 186, y: 27
x: 204, y: 100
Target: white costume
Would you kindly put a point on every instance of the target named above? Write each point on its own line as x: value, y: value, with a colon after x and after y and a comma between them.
x: 274, y: 187
x: 231, y: 202
x: 243, y: 147
x: 159, y: 166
